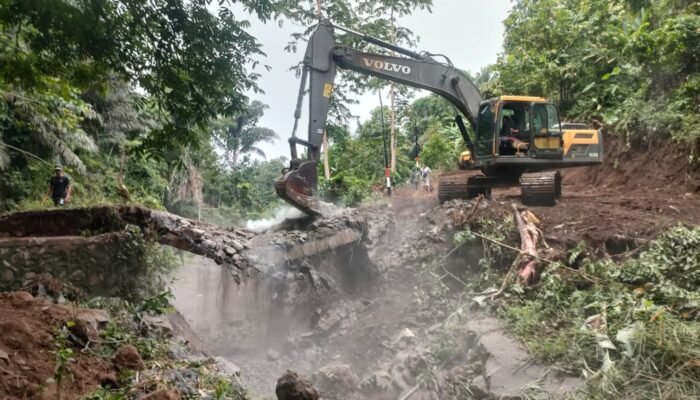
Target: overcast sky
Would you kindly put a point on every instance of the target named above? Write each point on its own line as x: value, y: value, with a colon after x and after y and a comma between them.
x: 470, y: 32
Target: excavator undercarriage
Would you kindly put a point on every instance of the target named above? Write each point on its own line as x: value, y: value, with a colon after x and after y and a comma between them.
x: 539, y: 188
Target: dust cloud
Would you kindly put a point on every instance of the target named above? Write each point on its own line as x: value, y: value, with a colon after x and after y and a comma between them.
x: 238, y: 322
x: 281, y: 214
x: 288, y: 213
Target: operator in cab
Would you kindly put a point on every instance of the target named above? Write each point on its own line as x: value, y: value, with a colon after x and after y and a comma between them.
x: 59, y: 187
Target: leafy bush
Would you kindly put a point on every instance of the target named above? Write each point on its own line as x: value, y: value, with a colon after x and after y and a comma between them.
x: 631, y: 328
x: 633, y: 63
x: 346, y: 189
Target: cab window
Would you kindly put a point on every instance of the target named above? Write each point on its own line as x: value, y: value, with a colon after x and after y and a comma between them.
x: 485, y: 131
x: 545, y: 119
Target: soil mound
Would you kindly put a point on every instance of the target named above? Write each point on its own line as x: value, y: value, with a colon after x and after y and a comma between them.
x: 28, y: 327
x: 664, y: 165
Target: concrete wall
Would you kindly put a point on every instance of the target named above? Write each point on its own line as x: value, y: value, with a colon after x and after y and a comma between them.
x: 102, y: 265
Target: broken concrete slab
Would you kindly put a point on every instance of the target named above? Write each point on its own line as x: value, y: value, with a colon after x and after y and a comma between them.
x: 509, y: 369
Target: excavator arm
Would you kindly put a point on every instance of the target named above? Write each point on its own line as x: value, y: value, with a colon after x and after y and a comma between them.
x: 323, y: 56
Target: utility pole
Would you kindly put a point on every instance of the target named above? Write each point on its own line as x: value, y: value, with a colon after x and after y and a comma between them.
x: 326, y: 163
x: 391, y: 99
x: 387, y: 170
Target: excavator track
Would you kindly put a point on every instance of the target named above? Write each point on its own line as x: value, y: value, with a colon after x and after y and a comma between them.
x: 462, y: 185
x: 541, y: 188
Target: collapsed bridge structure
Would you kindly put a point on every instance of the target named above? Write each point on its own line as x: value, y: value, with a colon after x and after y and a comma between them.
x: 90, y: 247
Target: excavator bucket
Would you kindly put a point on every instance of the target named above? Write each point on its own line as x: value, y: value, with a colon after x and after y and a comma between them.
x: 298, y: 186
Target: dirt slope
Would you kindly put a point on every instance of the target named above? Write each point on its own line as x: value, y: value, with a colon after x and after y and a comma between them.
x: 28, y: 351
x: 662, y: 166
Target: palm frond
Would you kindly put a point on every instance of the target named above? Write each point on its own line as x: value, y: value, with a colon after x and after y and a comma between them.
x: 61, y: 149
x: 259, y: 152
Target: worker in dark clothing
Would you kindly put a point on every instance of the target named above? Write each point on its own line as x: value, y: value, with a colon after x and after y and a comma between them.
x: 59, y: 187
x: 508, y: 127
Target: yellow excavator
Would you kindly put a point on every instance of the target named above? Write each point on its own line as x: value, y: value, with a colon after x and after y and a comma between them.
x: 514, y: 140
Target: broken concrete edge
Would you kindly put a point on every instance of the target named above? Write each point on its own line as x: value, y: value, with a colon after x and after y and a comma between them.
x: 70, y: 229
x: 509, y: 368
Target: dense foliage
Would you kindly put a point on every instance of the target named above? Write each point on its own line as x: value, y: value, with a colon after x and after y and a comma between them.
x: 135, y: 99
x: 145, y: 101
x: 633, y: 63
x: 631, y: 328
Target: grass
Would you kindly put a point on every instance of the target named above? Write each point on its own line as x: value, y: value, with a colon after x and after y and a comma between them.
x: 632, y: 333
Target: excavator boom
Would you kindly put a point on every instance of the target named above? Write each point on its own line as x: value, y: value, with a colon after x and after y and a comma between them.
x: 298, y: 185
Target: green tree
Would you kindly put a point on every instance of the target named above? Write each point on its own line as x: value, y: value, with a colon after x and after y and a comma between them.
x: 195, y: 65
x: 634, y: 63
x: 240, y: 135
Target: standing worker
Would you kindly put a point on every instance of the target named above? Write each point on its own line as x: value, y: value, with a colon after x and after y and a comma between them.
x: 425, y: 173
x: 59, y: 187
x: 416, y: 177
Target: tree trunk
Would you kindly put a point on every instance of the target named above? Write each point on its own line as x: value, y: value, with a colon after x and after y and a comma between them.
x: 529, y: 237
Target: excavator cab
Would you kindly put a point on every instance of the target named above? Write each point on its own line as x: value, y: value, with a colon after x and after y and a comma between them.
x: 519, y: 126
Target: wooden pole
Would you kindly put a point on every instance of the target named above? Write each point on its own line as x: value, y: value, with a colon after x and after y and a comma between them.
x: 391, y: 95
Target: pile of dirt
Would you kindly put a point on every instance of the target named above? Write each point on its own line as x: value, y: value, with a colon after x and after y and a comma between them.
x: 28, y: 349
x: 663, y: 166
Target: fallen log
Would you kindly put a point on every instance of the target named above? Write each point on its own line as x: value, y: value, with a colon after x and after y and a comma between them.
x: 527, y: 260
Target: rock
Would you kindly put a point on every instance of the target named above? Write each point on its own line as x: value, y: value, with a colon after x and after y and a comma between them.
x: 230, y: 250
x: 237, y: 245
x: 294, y: 386
x: 331, y: 320
x: 109, y: 380
x: 209, y: 243
x: 159, y: 323
x: 509, y: 368
x: 336, y: 378
x: 272, y: 355
x: 186, y: 381
x: 8, y: 275
x: 177, y: 352
x: 4, y: 357
x: 377, y: 381
x: 77, y: 276
x: 162, y: 394
x: 226, y: 367
x: 99, y: 318
x: 23, y: 296
x: 87, y: 324
x: 127, y: 357
x: 197, y: 232
x: 404, y: 337
x: 479, y: 388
